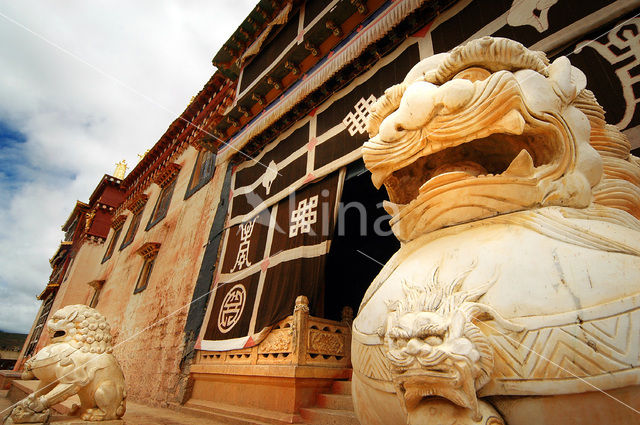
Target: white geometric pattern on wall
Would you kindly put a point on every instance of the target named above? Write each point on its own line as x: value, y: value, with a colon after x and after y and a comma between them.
x: 357, y: 122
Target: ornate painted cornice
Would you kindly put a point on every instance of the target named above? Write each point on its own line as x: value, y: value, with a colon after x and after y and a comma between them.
x: 96, y: 284
x: 167, y: 174
x: 137, y: 203
x: 149, y: 250
x: 118, y: 222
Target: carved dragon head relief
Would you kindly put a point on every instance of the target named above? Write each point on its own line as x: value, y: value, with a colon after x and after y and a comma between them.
x: 433, y: 345
x: 488, y: 129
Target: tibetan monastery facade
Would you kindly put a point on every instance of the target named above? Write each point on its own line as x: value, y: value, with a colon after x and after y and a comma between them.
x: 238, y: 249
x: 134, y: 252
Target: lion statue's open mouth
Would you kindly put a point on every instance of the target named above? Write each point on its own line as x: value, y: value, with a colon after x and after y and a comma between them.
x: 457, y: 142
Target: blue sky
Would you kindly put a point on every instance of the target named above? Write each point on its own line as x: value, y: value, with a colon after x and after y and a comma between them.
x: 84, y: 85
x: 11, y: 155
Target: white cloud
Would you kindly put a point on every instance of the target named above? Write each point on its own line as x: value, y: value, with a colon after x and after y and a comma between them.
x: 131, y: 70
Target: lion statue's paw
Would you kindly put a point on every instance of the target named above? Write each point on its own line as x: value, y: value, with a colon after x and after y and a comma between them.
x: 94, y: 415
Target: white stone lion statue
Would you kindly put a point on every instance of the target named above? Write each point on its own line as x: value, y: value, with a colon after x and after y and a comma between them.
x: 515, y: 295
x: 78, y: 360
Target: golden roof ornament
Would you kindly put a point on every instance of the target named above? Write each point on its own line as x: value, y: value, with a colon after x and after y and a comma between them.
x: 90, y: 216
x: 141, y: 156
x: 121, y: 169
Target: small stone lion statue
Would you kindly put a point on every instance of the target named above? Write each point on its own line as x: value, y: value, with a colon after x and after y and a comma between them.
x: 78, y: 360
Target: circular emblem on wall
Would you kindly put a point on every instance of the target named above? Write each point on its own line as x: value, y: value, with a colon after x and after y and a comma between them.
x: 231, y: 309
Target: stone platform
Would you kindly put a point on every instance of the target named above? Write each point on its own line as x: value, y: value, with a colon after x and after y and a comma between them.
x: 6, y: 376
x: 267, y: 393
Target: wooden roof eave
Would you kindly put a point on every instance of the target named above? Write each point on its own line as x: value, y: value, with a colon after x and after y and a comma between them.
x: 389, y: 38
x: 184, y: 120
x: 51, y: 287
x: 64, y: 246
x: 142, y: 174
x: 293, y: 67
x: 246, y: 33
x: 79, y: 207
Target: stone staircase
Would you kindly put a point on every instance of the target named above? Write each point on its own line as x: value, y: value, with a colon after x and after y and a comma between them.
x: 335, y: 408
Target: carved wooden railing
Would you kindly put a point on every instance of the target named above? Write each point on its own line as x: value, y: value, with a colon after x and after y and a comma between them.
x: 300, y: 339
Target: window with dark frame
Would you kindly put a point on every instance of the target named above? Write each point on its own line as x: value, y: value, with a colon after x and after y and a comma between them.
x: 112, y: 244
x: 68, y: 270
x: 68, y: 236
x: 94, y: 298
x: 202, y: 172
x: 37, y: 330
x: 97, y: 286
x: 131, y: 231
x: 148, y: 251
x: 55, y: 275
x: 162, y: 205
x: 145, y: 273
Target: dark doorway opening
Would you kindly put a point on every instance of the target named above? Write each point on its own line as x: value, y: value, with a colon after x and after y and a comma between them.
x: 362, y: 243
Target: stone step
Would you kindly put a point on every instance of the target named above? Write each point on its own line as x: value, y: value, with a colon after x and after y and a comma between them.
x: 219, y: 416
x: 335, y: 401
x: 6, y: 376
x: 341, y: 387
x: 22, y: 388
x: 320, y: 416
x: 236, y: 415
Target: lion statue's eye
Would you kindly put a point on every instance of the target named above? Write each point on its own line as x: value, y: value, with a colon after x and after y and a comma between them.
x: 473, y: 74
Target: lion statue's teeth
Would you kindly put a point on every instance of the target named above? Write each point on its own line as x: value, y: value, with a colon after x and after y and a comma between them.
x: 521, y: 166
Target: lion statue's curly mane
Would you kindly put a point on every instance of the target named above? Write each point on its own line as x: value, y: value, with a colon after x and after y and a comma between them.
x: 89, y: 331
